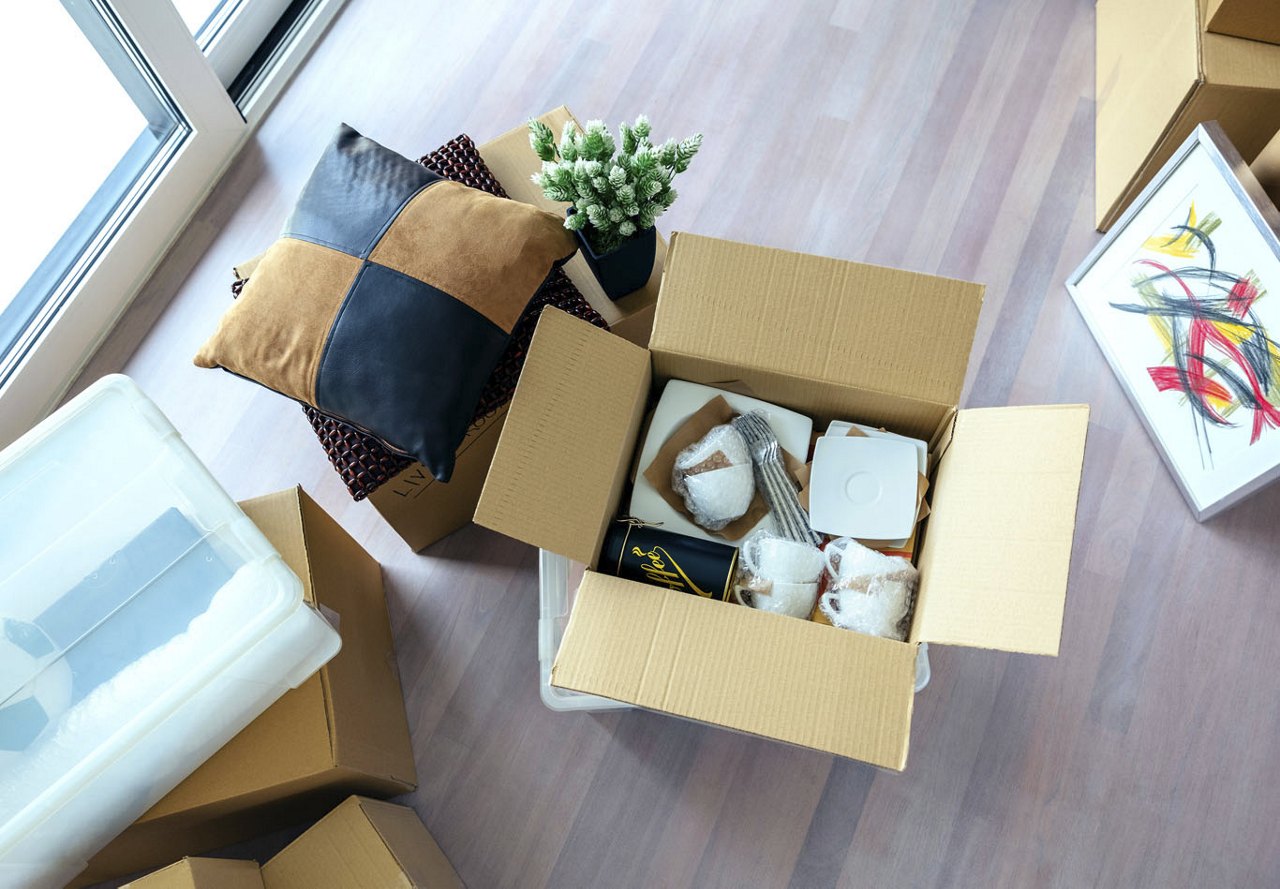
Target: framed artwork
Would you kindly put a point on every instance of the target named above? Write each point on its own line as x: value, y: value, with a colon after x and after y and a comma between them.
x: 1183, y: 297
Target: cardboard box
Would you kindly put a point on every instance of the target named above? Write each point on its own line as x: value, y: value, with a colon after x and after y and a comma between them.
x: 423, y: 510
x: 363, y: 844
x: 1159, y: 74
x: 343, y: 731
x: 1267, y: 168
x: 1250, y: 19
x: 835, y: 340
x: 203, y: 873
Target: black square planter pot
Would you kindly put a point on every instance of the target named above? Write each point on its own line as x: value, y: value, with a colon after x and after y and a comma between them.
x: 625, y: 269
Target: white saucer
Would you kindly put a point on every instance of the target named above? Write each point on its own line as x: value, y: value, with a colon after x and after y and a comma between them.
x: 863, y: 488
x: 679, y: 401
x: 841, y: 428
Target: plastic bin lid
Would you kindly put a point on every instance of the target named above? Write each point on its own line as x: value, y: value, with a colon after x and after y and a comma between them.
x: 128, y: 580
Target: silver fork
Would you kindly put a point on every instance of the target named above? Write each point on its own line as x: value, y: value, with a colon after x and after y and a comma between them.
x: 775, y: 484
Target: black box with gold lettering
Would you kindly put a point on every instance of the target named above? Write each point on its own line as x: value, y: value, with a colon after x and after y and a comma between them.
x: 646, y: 553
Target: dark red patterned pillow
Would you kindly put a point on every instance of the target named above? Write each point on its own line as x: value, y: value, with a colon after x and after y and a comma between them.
x: 365, y: 462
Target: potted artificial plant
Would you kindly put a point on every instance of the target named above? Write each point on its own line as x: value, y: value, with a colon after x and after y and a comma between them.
x: 615, y: 195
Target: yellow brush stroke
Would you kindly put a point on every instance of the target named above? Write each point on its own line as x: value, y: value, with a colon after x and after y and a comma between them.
x: 1184, y: 246
x: 1161, y: 327
x: 1233, y: 331
x: 1237, y: 333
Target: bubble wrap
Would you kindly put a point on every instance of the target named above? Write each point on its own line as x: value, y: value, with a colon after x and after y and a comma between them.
x: 868, y: 592
x: 715, y: 478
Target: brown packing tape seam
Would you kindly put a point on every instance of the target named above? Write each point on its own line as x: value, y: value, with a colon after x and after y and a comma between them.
x: 715, y: 412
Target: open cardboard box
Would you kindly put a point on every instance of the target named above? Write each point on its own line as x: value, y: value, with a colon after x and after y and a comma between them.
x: 836, y: 340
x: 1267, y: 168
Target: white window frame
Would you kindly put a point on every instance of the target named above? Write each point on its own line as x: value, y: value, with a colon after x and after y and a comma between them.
x: 234, y: 36
x: 132, y: 246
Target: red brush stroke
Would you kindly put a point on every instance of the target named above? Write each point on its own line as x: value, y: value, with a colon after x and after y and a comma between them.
x: 1242, y: 296
x: 1201, y: 330
x: 1169, y: 379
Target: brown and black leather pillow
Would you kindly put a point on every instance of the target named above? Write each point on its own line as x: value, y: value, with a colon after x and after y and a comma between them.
x: 389, y: 298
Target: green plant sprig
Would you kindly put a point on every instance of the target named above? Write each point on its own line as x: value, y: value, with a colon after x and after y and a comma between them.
x: 615, y: 194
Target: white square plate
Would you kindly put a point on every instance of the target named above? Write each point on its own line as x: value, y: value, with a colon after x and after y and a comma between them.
x: 679, y: 401
x: 863, y: 487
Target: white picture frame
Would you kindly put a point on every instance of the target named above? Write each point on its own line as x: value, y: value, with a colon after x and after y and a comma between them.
x: 1183, y: 297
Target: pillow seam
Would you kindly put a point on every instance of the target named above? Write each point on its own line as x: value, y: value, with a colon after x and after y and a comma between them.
x: 377, y: 238
x: 369, y: 262
x: 319, y: 242
x: 328, y: 337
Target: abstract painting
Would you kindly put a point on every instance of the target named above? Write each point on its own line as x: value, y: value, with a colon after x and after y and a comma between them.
x: 1218, y: 354
x: 1177, y: 297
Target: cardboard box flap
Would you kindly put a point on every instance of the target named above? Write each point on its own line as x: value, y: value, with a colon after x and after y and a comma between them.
x: 993, y: 564
x: 363, y: 844
x: 363, y: 699
x: 415, y: 850
x: 863, y: 326
x: 1236, y: 61
x: 1139, y: 92
x: 1251, y: 19
x: 202, y: 873
x: 558, y: 470
x: 774, y: 676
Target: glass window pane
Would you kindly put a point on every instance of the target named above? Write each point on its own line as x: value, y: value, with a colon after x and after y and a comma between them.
x: 202, y: 16
x: 94, y: 122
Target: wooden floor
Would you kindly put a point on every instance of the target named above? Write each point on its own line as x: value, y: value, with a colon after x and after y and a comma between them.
x: 948, y: 136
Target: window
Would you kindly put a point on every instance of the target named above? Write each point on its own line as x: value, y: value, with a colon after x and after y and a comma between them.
x: 124, y: 119
x: 96, y: 130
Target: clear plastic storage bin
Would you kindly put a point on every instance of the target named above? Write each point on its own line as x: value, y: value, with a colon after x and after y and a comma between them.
x: 144, y: 621
x: 559, y: 583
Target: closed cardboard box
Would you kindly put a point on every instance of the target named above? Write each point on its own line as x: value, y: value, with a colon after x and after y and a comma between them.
x: 203, y: 873
x: 363, y: 844
x: 1251, y: 19
x: 834, y: 340
x: 344, y: 731
x: 1159, y: 74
